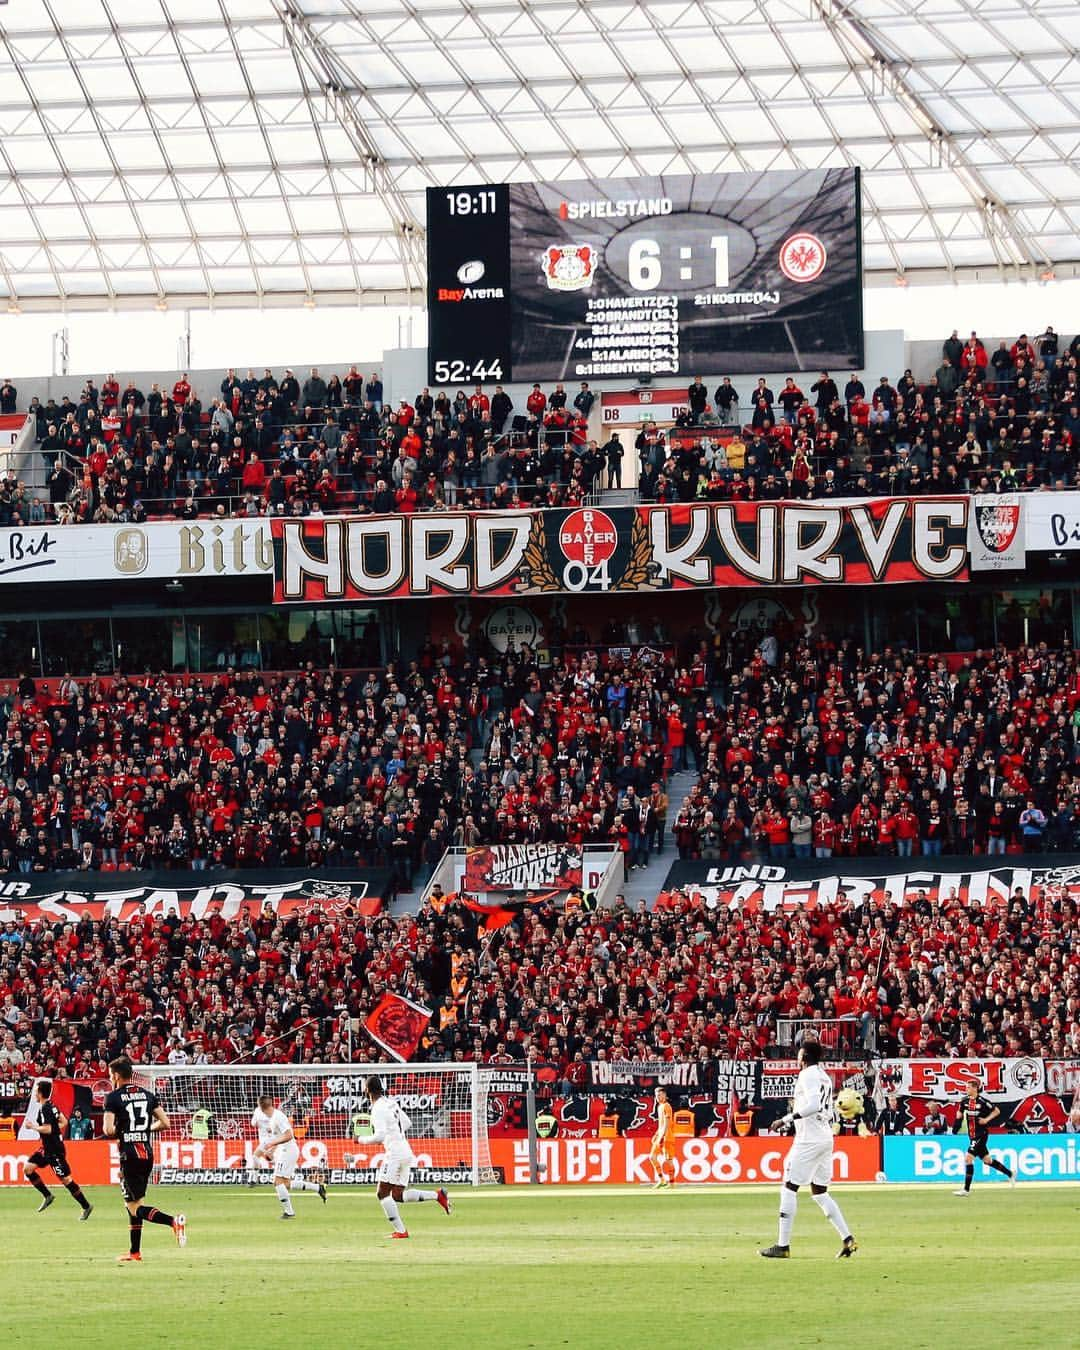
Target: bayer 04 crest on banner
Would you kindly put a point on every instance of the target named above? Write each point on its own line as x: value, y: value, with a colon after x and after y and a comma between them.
x: 672, y: 275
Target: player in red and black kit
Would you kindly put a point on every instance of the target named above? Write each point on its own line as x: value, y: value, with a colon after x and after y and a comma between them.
x: 976, y: 1115
x: 133, y: 1115
x: 49, y: 1127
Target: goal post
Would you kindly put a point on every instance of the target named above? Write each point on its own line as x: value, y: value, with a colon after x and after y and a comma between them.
x: 210, y: 1138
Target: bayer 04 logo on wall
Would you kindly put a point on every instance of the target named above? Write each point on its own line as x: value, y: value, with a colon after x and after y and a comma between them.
x: 588, y: 550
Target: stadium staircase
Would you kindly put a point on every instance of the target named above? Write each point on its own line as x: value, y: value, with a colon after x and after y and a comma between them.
x: 648, y: 884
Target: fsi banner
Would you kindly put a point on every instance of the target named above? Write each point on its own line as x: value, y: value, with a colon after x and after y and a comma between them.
x: 522, y: 867
x: 1044, y: 1157
x: 948, y: 1079
x: 627, y: 549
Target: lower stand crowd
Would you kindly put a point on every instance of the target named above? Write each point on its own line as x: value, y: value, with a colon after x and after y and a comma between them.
x: 798, y: 747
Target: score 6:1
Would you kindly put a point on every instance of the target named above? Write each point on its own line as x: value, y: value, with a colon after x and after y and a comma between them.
x: 645, y: 272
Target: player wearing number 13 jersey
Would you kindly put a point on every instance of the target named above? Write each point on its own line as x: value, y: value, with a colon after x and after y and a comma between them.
x: 133, y: 1115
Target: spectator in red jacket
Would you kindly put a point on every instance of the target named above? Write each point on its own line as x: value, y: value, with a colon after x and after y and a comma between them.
x: 904, y: 826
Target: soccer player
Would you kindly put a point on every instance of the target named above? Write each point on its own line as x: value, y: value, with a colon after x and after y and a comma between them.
x: 133, y: 1115
x: 809, y: 1159
x: 977, y: 1115
x: 389, y: 1125
x: 50, y: 1126
x: 660, y: 1152
x: 277, y: 1141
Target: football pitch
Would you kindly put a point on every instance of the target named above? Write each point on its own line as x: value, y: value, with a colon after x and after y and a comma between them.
x: 563, y: 1267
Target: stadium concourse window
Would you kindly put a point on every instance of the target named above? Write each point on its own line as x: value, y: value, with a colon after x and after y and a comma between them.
x: 20, y: 648
x: 344, y: 638
x: 223, y: 642
x: 148, y: 642
x: 82, y: 645
x: 950, y: 623
x: 1033, y: 614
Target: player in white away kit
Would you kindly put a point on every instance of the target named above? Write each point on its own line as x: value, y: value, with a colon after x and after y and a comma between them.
x: 277, y: 1142
x: 809, y: 1160
x: 389, y: 1125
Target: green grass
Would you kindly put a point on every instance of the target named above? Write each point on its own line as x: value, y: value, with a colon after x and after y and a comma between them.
x: 566, y: 1267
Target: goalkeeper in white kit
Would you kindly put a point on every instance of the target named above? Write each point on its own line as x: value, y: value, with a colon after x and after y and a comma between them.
x: 278, y: 1143
x: 809, y: 1160
x: 389, y: 1125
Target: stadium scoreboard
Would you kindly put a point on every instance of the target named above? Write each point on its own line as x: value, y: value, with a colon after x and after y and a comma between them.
x: 655, y: 276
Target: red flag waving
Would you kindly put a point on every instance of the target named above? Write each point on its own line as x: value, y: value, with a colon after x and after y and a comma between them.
x: 396, y: 1025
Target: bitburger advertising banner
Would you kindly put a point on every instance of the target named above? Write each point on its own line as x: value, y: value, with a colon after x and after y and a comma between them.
x: 626, y: 549
x: 159, y: 549
x: 873, y: 882
x: 55, y: 898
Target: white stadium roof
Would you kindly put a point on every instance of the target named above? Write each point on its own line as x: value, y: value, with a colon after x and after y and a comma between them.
x: 277, y: 151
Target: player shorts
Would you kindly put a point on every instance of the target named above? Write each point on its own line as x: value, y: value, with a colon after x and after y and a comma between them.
x: 809, y: 1163
x: 660, y: 1151
x: 286, y: 1160
x: 395, y: 1169
x: 135, y: 1177
x: 978, y: 1148
x: 57, y: 1161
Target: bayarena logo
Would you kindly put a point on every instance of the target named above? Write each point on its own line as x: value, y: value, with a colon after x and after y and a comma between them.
x: 802, y: 257
x: 588, y: 537
x: 469, y: 272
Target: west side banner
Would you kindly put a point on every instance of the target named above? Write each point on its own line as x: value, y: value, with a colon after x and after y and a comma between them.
x: 59, y: 898
x: 522, y: 867
x: 874, y: 882
x: 626, y: 549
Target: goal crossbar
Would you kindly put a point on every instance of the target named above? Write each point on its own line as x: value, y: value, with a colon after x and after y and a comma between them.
x: 210, y: 1137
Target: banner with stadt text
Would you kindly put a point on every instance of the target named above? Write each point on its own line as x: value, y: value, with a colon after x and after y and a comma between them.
x: 625, y: 549
x: 58, y: 897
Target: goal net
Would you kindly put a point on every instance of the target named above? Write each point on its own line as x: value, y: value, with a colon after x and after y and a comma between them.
x: 210, y: 1138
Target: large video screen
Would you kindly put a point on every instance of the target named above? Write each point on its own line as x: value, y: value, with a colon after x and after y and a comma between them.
x: 676, y: 275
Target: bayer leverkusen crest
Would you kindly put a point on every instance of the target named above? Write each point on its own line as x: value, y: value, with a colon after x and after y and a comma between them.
x: 997, y: 523
x: 568, y: 267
